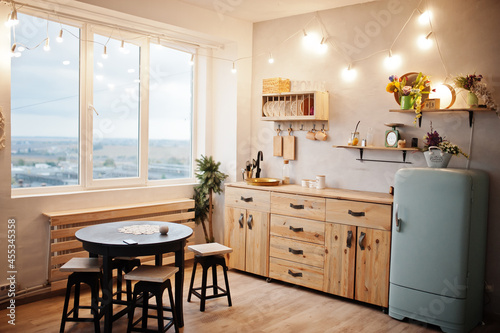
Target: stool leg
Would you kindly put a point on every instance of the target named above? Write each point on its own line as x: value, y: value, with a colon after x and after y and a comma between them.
x: 192, y: 280
x: 172, y: 306
x: 131, y: 312
x: 214, y: 279
x: 66, y: 303
x: 119, y: 281
x: 159, y: 310
x: 145, y: 305
x: 94, y: 294
x: 76, y: 300
x: 203, y: 288
x: 224, y: 269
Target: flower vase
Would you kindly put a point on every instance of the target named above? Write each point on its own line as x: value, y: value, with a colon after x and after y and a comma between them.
x: 406, y: 103
x: 472, y: 99
x: 436, y: 158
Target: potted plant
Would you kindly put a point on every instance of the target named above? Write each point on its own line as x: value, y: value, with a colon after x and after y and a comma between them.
x: 438, y: 151
x: 210, y: 181
x: 475, y: 89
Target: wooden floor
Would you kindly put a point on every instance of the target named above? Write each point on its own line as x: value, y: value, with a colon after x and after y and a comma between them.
x: 258, y: 306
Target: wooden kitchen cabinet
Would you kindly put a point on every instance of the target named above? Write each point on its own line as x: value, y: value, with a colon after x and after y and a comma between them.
x: 336, y: 241
x: 247, y: 230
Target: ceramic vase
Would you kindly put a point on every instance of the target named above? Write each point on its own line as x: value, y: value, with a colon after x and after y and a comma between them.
x: 472, y: 99
x: 406, y: 102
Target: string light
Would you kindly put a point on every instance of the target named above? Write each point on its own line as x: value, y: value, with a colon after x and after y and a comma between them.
x: 12, y: 19
x: 323, y: 46
x: 234, y: 69
x: 59, y: 38
x: 191, y: 62
x: 424, y: 42
x: 393, y: 61
x: 13, y: 53
x: 349, y: 74
x: 46, y: 47
x: 424, y: 17
x: 271, y: 59
x: 105, y: 53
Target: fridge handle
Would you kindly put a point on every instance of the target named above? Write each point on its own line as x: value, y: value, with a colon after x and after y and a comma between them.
x: 396, y: 218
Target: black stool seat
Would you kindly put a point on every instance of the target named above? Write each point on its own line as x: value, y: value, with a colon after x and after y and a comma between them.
x: 152, y: 280
x: 88, y: 271
x: 209, y: 256
x: 124, y: 265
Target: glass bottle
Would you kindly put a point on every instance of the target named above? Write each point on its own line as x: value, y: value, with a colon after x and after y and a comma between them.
x: 286, y: 173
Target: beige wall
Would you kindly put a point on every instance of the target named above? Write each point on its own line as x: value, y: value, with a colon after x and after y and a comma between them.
x: 468, y: 36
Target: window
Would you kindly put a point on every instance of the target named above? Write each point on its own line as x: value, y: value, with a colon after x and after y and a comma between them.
x: 124, y: 119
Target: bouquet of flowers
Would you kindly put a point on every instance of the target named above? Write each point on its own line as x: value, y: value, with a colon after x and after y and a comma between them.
x: 473, y: 84
x: 433, y: 138
x: 415, y: 90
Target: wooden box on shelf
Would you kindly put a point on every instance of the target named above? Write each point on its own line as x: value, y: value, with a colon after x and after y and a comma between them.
x: 306, y: 105
x: 275, y: 85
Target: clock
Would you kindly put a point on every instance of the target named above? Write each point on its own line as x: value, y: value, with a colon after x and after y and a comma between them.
x: 392, y: 136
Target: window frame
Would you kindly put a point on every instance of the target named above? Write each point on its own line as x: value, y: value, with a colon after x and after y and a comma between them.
x: 86, y: 114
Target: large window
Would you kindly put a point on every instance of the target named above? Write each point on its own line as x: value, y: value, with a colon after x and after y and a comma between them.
x: 127, y: 119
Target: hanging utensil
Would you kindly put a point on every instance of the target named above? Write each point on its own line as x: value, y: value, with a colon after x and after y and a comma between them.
x: 278, y: 144
x: 289, y: 146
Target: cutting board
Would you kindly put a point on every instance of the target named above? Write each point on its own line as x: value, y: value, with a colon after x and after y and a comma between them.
x: 289, y: 146
x: 278, y: 144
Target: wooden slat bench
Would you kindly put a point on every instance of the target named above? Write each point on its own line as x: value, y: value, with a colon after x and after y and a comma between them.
x: 64, y: 224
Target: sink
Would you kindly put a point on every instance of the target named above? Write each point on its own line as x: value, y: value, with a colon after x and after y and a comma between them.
x: 263, y: 181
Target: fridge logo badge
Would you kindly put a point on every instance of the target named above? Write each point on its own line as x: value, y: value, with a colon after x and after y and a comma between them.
x: 438, y: 305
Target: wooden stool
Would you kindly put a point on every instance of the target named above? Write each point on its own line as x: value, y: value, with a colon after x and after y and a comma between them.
x: 154, y: 280
x: 209, y: 255
x: 88, y: 271
x: 124, y: 265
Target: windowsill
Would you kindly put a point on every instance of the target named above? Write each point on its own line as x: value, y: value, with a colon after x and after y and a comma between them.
x: 37, y: 192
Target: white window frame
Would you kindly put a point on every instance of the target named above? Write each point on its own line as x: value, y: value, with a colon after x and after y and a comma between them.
x: 86, y: 181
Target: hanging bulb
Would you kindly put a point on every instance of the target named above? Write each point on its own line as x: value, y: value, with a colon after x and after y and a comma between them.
x: 191, y: 62
x: 12, y: 20
x: 234, y: 69
x: 271, y: 59
x: 348, y: 73
x: 323, y: 46
x: 424, y: 17
x: 13, y: 53
x: 424, y: 42
x: 392, y: 61
x: 59, y: 38
x: 105, y: 53
x: 46, y: 47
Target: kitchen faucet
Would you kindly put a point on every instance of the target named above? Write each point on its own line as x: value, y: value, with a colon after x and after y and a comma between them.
x: 260, y: 157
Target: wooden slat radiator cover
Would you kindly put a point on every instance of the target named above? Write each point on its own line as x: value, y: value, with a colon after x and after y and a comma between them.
x: 64, y: 224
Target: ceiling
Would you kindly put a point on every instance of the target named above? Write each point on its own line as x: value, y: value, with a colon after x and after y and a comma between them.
x: 263, y: 10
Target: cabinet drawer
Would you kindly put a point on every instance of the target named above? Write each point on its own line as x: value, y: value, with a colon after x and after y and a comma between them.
x: 297, y: 228
x: 356, y: 213
x: 298, y: 206
x: 300, y: 274
x: 298, y: 251
x: 248, y: 199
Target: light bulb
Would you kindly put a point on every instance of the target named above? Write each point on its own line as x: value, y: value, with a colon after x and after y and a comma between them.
x: 424, y: 42
x: 59, y: 38
x: 123, y: 49
x: 12, y: 20
x: 393, y: 61
x: 271, y: 59
x: 105, y: 53
x: 46, y: 47
x: 349, y: 74
x: 323, y: 46
x: 233, y: 70
x: 13, y: 53
x: 425, y: 17
x: 191, y: 62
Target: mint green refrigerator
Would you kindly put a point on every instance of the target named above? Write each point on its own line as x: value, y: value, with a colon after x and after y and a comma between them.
x: 438, y: 247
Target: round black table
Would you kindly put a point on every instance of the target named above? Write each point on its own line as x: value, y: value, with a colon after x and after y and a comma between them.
x: 105, y: 239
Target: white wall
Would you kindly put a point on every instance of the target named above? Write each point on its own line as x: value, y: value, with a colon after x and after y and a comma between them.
x: 220, y: 106
x: 467, y: 33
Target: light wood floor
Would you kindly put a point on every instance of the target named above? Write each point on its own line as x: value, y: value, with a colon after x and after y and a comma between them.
x: 258, y: 306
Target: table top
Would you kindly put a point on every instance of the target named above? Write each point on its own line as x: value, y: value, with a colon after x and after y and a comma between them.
x: 107, y: 234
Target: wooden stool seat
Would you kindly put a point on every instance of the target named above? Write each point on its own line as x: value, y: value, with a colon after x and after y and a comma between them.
x: 209, y: 256
x: 88, y: 271
x: 152, y: 280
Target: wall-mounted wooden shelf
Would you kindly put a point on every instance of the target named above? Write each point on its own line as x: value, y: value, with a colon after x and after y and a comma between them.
x: 470, y: 110
x: 362, y: 149
x: 295, y: 106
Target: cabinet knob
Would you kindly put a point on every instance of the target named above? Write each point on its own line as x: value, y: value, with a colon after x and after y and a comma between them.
x: 250, y: 199
x: 349, y: 238
x: 296, y: 206
x: 356, y: 214
x: 294, y: 274
x: 240, y: 220
x: 296, y: 229
x: 361, y: 239
x: 249, y: 222
x: 295, y: 251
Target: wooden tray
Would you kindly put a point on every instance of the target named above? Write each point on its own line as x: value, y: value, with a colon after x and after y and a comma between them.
x: 263, y: 181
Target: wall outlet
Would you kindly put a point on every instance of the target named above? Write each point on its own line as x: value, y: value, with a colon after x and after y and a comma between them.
x: 488, y: 288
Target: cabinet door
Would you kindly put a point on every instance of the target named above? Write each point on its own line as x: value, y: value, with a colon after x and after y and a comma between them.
x: 257, y: 242
x: 235, y: 236
x: 372, y: 266
x: 340, y: 242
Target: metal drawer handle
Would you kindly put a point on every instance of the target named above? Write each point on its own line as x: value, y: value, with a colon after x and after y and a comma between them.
x: 296, y: 229
x: 294, y: 274
x: 295, y: 251
x: 240, y: 220
x: 249, y: 222
x: 296, y: 206
x: 350, y: 212
x: 361, y: 239
x: 250, y: 199
x: 349, y: 238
